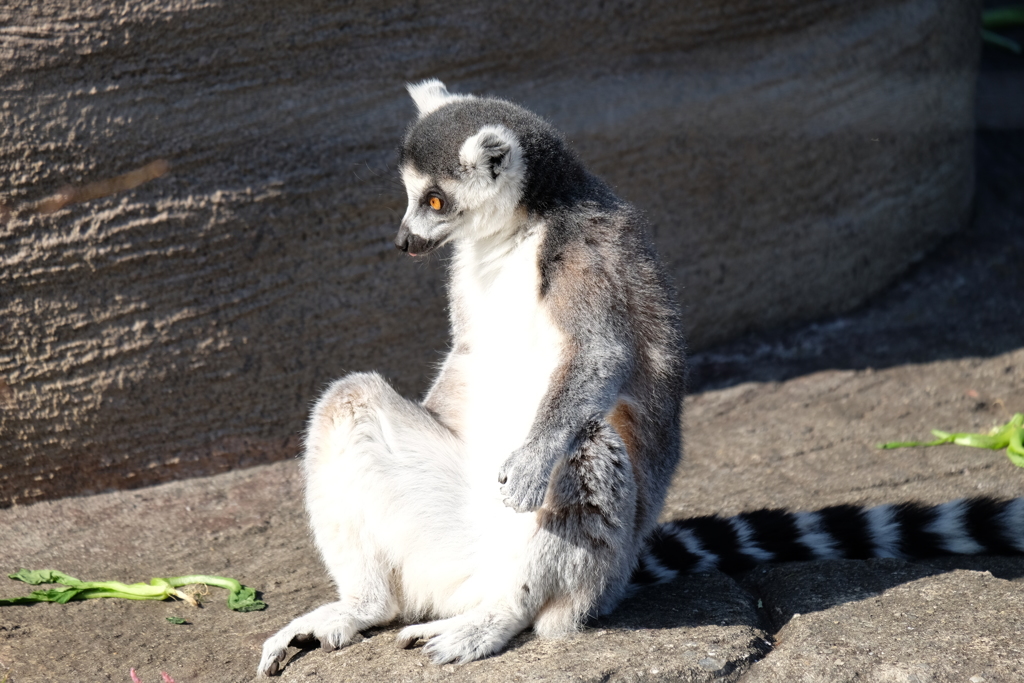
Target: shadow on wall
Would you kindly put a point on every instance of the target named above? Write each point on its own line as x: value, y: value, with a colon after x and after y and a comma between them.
x: 963, y: 301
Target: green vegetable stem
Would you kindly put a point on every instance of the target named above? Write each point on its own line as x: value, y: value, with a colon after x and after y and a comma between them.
x: 240, y: 598
x: 1010, y: 436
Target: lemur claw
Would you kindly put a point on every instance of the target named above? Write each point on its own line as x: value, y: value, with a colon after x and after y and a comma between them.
x: 525, y: 477
x: 271, y: 663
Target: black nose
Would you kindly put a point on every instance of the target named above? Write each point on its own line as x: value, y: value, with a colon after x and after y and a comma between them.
x: 402, y: 238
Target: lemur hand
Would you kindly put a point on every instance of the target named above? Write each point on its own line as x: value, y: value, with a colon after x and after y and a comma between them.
x: 525, y: 476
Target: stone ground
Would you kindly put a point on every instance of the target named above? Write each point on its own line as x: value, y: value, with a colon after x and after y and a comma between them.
x: 787, y: 419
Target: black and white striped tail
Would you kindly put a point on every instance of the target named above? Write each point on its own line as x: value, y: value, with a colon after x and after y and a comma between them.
x: 974, y: 526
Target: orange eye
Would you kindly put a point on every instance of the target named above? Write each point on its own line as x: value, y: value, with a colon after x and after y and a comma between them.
x: 436, y: 203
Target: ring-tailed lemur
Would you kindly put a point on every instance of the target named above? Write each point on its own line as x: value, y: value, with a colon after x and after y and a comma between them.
x: 525, y: 488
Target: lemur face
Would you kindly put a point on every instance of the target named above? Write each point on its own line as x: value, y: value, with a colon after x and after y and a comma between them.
x: 464, y: 176
x: 431, y: 216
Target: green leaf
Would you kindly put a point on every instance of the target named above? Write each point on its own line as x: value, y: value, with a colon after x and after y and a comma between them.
x: 59, y: 595
x: 39, y: 576
x: 1001, y: 17
x: 176, y: 620
x: 244, y: 600
x: 24, y: 600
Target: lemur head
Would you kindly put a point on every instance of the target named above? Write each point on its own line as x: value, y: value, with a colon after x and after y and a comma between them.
x: 466, y: 164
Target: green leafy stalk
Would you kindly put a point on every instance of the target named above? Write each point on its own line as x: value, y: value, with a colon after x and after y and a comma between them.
x: 1002, y: 17
x: 1010, y: 436
x: 240, y: 598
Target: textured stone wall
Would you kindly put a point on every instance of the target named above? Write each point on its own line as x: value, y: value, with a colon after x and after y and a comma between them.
x: 793, y: 157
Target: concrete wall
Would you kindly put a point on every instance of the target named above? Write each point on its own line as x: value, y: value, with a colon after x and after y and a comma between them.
x: 793, y: 157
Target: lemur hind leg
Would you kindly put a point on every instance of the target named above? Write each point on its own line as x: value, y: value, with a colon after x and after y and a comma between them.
x: 580, y: 555
x: 378, y: 470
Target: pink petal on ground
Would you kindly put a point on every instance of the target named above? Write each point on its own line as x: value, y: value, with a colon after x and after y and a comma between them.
x: 135, y: 679
x: 167, y: 679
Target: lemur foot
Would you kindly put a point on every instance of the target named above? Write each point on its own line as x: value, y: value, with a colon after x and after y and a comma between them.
x: 525, y: 476
x: 327, y: 624
x: 461, y: 639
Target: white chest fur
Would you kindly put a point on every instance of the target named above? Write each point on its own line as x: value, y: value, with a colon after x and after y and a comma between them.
x: 513, y: 347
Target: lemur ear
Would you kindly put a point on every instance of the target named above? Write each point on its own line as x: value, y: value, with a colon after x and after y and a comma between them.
x: 431, y: 95
x: 491, y: 153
